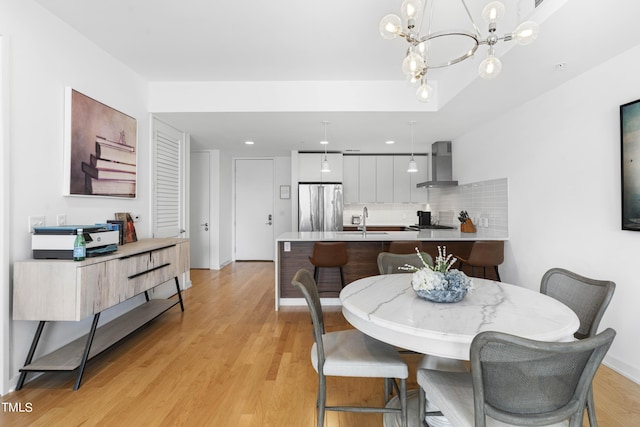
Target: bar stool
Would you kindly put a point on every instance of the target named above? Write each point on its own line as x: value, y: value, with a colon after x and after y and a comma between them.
x: 329, y: 255
x: 405, y: 247
x: 485, y: 254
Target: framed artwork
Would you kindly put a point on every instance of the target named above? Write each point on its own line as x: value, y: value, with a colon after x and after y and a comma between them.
x: 630, y: 164
x: 100, y: 149
x: 285, y: 191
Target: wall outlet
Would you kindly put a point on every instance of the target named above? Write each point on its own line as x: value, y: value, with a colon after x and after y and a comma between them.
x: 36, y: 221
x: 287, y: 246
x: 61, y: 219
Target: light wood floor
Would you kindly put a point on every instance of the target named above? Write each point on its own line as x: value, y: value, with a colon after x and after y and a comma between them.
x: 230, y: 360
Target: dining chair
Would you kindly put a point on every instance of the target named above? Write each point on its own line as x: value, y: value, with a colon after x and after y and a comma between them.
x: 405, y: 246
x: 588, y: 298
x: 484, y: 253
x: 517, y: 381
x: 388, y: 263
x: 350, y: 353
x: 329, y: 255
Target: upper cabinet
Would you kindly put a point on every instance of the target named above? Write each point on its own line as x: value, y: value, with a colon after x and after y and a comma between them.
x: 383, y: 179
x: 309, y: 165
x: 419, y: 195
x: 404, y: 183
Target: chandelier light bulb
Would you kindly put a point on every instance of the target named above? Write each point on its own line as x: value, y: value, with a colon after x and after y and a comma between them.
x: 493, y: 11
x: 413, y: 64
x: 411, y: 9
x: 490, y: 67
x: 424, y: 92
x: 390, y: 26
x: 526, y: 32
x: 423, y: 48
x: 413, y: 80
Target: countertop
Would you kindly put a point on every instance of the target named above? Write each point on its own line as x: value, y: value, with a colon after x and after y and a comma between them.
x: 382, y: 236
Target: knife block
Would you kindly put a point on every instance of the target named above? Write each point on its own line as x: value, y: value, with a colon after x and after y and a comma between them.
x: 467, y: 226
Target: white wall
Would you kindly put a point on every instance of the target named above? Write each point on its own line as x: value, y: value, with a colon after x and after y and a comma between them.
x: 561, y: 154
x: 43, y: 57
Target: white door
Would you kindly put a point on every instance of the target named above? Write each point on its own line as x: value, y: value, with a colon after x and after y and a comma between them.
x: 200, y: 218
x: 254, y: 209
x: 169, y: 166
x: 170, y: 161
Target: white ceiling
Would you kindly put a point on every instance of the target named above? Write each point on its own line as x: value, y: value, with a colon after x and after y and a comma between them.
x: 316, y: 40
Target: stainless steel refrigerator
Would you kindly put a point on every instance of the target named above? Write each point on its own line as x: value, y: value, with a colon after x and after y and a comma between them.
x: 320, y: 207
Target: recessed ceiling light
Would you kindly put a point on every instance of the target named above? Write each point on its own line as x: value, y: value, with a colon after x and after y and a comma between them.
x: 324, y: 142
x: 390, y: 142
x: 248, y: 142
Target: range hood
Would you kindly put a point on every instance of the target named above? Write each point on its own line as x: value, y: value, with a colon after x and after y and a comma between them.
x: 441, y: 166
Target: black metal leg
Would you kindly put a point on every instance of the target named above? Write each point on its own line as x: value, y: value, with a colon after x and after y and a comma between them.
x: 341, y: 277
x: 146, y: 295
x: 87, y: 348
x: 498, y: 274
x: 32, y: 351
x: 179, y: 293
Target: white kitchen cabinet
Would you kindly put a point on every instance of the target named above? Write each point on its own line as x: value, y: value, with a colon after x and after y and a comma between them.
x: 367, y: 179
x: 384, y: 179
x: 419, y: 195
x: 309, y: 165
x: 401, y: 180
x: 351, y: 179
x: 404, y: 183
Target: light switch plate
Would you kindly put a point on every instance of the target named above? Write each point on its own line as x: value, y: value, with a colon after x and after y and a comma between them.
x: 36, y: 221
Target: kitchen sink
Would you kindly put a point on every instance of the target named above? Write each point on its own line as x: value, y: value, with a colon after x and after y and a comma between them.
x: 360, y: 232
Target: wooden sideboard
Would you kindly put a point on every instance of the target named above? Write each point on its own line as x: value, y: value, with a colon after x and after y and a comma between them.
x: 63, y: 290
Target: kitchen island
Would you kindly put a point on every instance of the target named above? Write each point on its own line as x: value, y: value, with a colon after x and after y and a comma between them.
x: 293, y: 250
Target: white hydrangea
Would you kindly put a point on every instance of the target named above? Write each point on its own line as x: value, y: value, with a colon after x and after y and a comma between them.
x: 426, y: 279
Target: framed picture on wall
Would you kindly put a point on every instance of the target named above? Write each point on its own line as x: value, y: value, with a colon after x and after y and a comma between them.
x: 100, y: 149
x: 630, y: 164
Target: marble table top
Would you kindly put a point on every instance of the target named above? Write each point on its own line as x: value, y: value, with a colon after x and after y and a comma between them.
x: 386, y: 308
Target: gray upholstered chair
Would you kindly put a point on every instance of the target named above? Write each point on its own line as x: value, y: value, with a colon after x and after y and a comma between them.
x: 588, y: 298
x: 350, y: 353
x: 518, y: 381
x: 388, y: 263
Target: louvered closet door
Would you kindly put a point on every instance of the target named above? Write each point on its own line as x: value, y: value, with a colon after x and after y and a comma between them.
x: 169, y: 187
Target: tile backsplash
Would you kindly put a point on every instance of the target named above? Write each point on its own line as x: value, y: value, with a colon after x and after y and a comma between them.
x: 486, y: 203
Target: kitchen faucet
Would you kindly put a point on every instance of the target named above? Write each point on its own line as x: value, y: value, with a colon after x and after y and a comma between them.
x: 365, y: 214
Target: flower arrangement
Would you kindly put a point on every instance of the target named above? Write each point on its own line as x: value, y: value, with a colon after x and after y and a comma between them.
x: 439, y: 283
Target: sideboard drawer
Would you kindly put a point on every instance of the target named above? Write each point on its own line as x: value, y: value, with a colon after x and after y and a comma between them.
x: 149, y: 279
x: 146, y: 261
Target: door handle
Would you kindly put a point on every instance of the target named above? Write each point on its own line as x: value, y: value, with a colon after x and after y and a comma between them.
x: 206, y: 226
x: 270, y: 220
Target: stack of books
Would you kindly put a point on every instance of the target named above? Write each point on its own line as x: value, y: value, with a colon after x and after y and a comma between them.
x: 112, y: 170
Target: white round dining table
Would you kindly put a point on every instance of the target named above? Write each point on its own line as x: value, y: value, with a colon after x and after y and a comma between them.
x: 385, y: 307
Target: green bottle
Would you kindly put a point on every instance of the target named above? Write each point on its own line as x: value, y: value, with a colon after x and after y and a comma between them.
x: 79, y: 247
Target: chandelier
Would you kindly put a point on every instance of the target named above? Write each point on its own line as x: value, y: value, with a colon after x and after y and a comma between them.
x: 421, y: 43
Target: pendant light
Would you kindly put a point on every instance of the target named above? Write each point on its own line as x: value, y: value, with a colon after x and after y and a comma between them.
x: 413, y: 166
x: 324, y: 167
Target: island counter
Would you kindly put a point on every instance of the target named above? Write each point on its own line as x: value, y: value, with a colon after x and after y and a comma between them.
x: 293, y: 250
